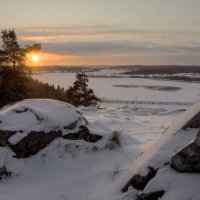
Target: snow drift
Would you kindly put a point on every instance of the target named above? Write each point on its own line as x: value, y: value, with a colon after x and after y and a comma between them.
x: 170, y: 169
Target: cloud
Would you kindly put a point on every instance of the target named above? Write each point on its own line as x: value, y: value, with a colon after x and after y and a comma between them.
x: 93, y: 47
x: 87, y: 48
x: 103, y: 31
x: 115, y: 41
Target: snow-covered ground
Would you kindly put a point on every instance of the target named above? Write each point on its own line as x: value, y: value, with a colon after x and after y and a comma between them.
x: 175, y: 184
x: 62, y: 171
x: 68, y: 172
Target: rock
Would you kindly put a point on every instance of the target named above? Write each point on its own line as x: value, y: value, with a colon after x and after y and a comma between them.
x: 83, y: 134
x: 33, y: 143
x: 4, y: 136
x: 188, y: 159
x: 37, y: 122
x: 23, y: 109
x: 139, y: 182
x: 151, y: 196
x: 40, y: 115
x: 193, y: 123
x: 71, y: 126
x: 84, y: 130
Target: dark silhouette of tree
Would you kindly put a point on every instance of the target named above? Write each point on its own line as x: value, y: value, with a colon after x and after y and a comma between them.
x: 14, y: 75
x: 12, y: 85
x: 37, y: 89
x: 80, y: 94
x: 12, y: 54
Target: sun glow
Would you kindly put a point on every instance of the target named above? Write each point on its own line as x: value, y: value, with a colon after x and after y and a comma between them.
x: 35, y: 58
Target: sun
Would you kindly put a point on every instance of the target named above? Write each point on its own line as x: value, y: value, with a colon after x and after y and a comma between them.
x: 35, y: 58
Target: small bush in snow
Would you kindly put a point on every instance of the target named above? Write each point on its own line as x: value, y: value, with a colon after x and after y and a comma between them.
x: 114, y: 141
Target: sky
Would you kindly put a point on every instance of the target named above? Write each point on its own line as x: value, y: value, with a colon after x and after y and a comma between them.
x: 107, y: 32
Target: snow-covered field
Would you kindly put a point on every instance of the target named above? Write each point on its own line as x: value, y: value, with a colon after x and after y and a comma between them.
x: 80, y: 173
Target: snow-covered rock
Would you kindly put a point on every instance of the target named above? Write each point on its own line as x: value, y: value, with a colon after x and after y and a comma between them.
x: 39, y: 115
x: 188, y: 158
x: 30, y: 125
x: 177, y: 148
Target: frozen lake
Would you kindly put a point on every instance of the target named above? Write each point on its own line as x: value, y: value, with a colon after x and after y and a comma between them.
x: 139, y: 89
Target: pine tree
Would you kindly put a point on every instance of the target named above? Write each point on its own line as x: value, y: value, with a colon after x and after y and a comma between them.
x: 12, y: 54
x: 80, y: 94
x: 14, y: 75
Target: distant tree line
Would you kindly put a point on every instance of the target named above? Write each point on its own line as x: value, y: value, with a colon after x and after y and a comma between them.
x: 17, y: 84
x: 162, y: 69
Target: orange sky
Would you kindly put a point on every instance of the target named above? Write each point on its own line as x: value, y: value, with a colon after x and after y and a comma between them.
x: 45, y: 59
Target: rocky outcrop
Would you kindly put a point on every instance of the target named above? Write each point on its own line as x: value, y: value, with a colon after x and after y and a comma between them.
x: 83, y: 134
x: 151, y: 196
x: 193, y: 123
x: 139, y: 182
x: 33, y: 143
x: 30, y: 125
x: 4, y: 136
x: 188, y: 159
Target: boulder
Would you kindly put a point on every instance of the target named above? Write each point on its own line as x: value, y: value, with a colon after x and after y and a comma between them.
x: 151, y: 196
x: 193, y: 123
x: 33, y: 143
x: 4, y: 136
x: 138, y: 181
x: 83, y: 134
x: 30, y: 125
x: 188, y: 158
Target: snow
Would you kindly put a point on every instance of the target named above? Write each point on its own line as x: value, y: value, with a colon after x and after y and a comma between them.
x: 161, y: 152
x: 73, y: 175
x: 178, y: 186
x: 75, y: 170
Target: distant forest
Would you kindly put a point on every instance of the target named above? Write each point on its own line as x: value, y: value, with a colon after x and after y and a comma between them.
x: 163, y: 69
x: 133, y: 69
